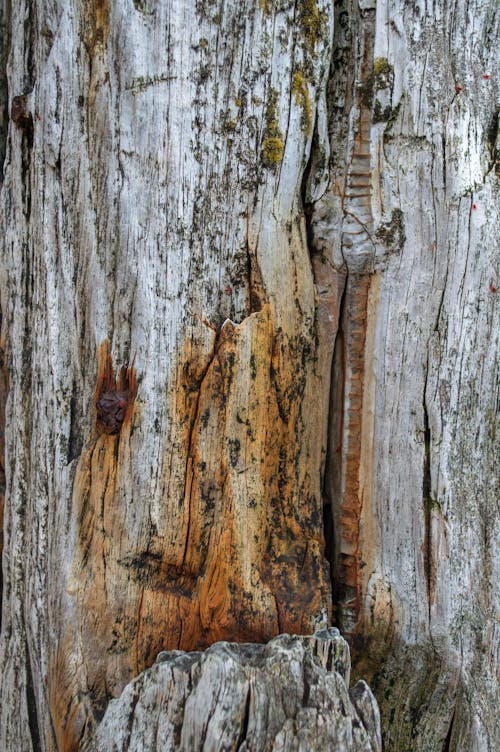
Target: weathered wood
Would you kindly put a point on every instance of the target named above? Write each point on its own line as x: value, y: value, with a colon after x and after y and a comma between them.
x: 288, y: 220
x: 408, y: 222
x: 291, y: 694
x: 156, y: 205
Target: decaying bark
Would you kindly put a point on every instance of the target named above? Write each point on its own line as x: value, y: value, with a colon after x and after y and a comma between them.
x: 413, y: 103
x: 291, y: 694
x: 266, y: 232
x: 154, y: 211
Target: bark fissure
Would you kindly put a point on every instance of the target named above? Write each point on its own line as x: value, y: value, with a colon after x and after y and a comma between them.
x: 245, y: 720
x: 427, y: 503
x: 5, y: 32
x: 447, y: 742
x: 257, y: 297
x: 31, y: 704
x: 75, y: 441
x: 131, y: 717
x: 333, y: 470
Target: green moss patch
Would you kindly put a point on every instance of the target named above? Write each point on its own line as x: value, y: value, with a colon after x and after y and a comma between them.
x: 302, y: 99
x: 314, y: 23
x: 273, y: 146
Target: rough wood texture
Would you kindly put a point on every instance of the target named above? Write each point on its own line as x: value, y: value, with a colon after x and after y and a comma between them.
x: 291, y: 694
x: 154, y: 203
x: 411, y: 475
x: 286, y: 213
x: 4, y: 391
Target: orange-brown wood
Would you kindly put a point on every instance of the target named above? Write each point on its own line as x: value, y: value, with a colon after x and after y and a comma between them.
x: 243, y: 558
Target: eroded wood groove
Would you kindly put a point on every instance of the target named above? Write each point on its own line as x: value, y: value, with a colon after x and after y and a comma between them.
x: 358, y: 250
x: 347, y: 572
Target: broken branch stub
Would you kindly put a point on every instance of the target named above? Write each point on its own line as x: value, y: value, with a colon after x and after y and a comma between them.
x: 114, y: 398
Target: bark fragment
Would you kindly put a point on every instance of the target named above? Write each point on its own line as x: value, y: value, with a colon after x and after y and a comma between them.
x: 289, y: 694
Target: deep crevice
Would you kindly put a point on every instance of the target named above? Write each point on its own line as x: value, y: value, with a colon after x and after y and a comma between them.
x: 447, y: 741
x: 337, y: 391
x: 245, y: 722
x: 76, y: 441
x: 328, y: 533
x: 257, y: 297
x: 31, y: 704
x: 331, y: 490
x: 427, y: 502
x: 131, y: 714
x: 5, y: 33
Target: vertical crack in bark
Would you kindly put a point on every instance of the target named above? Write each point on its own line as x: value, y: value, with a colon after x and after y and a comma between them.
x: 427, y: 503
x: 76, y: 441
x: 4, y: 92
x: 31, y: 704
x: 333, y: 471
x: 328, y: 532
x: 447, y: 741
x: 255, y: 284
x: 131, y: 714
x: 245, y: 721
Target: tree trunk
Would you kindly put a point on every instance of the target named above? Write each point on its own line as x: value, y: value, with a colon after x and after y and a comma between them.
x: 290, y: 694
x: 250, y: 318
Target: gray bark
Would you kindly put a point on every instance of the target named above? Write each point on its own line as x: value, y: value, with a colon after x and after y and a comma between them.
x: 280, y: 219
x: 412, y: 474
x: 291, y: 694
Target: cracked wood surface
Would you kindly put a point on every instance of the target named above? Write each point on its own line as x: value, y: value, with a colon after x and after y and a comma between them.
x: 303, y: 337
x: 291, y: 694
x: 157, y: 207
x: 411, y: 475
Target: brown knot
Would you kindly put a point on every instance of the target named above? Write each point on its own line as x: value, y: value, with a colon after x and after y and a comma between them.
x: 114, y: 396
x: 19, y: 112
x: 111, y: 408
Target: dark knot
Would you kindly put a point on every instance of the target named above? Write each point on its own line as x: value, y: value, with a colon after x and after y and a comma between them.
x: 111, y: 409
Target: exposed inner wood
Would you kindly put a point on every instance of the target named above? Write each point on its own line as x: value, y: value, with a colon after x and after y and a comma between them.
x: 243, y: 560
x: 349, y: 368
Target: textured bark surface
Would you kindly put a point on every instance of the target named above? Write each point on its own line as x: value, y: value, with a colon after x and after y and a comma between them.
x: 270, y: 230
x: 152, y: 209
x: 291, y: 694
x: 408, y: 219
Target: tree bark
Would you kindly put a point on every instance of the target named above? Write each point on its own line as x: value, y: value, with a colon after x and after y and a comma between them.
x: 290, y: 694
x: 249, y: 312
x: 411, y: 469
